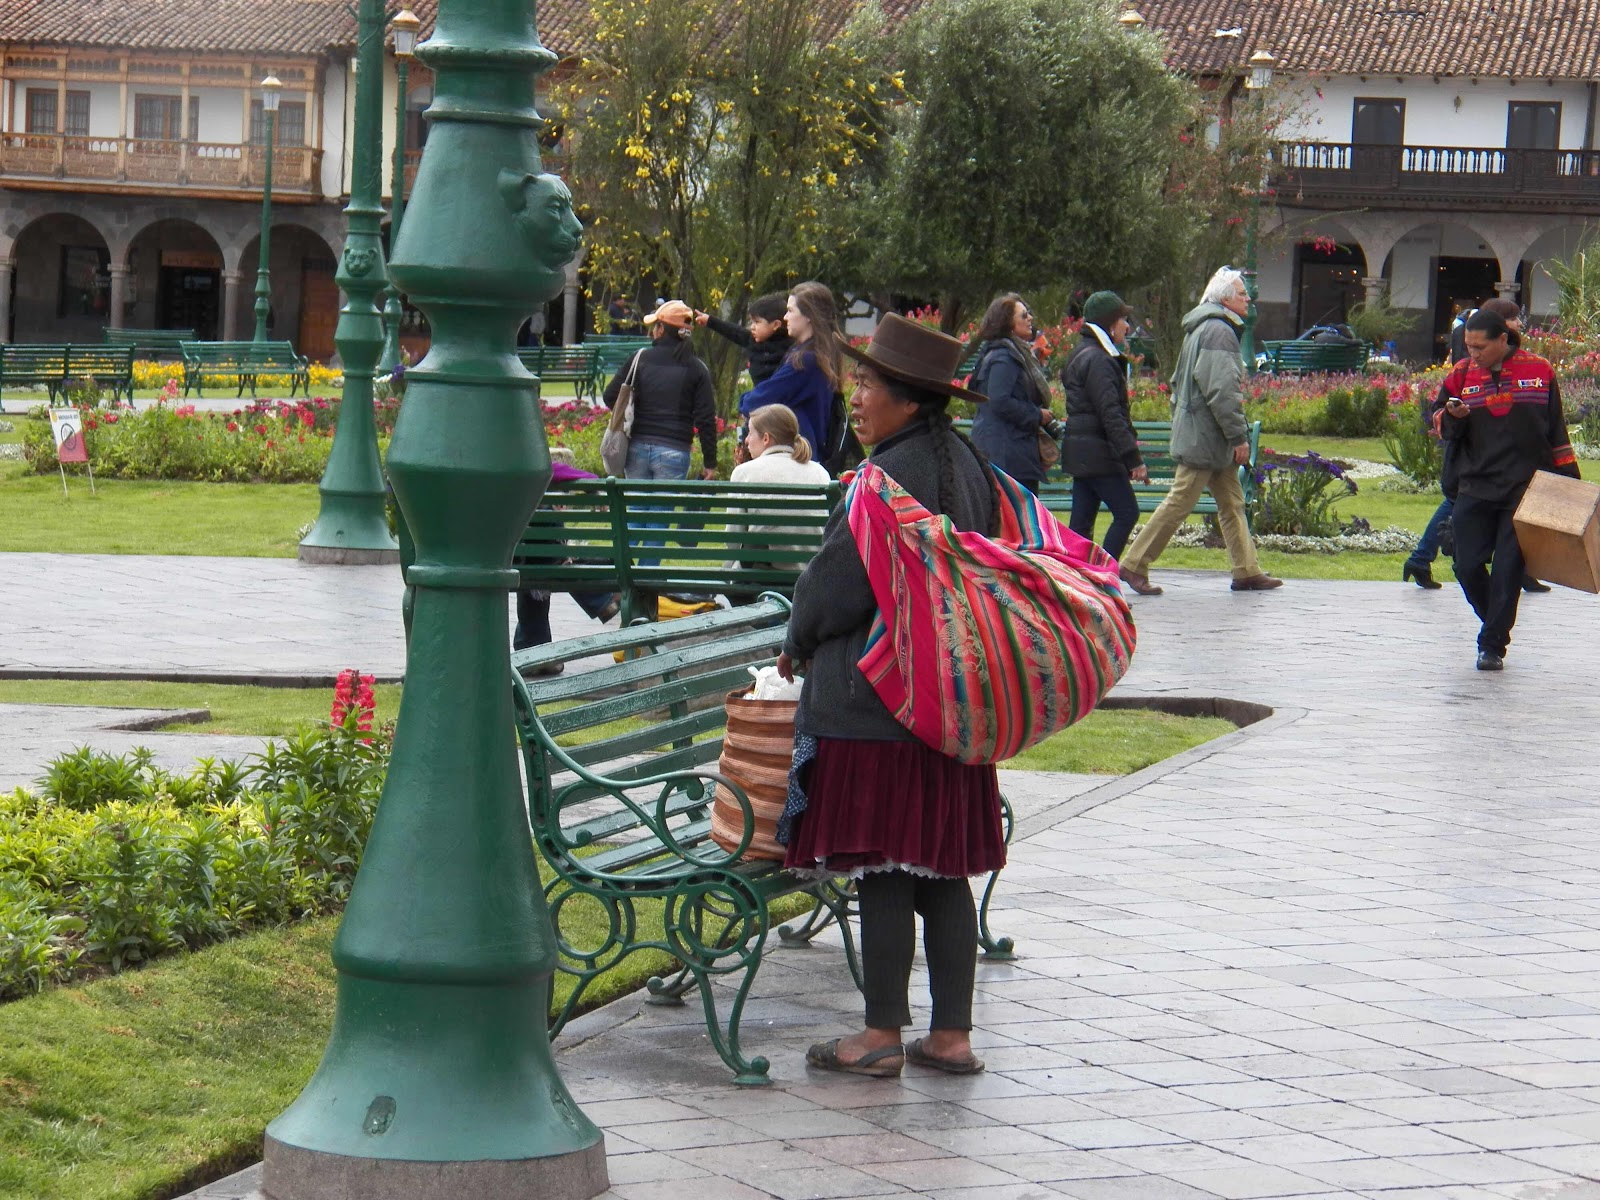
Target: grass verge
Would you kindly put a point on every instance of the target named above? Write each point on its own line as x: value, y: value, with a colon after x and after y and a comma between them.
x: 144, y: 1085
x: 1109, y: 742
x: 247, y: 520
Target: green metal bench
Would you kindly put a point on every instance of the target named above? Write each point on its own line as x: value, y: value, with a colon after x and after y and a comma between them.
x: 612, y: 356
x: 622, y: 769
x: 247, y: 362
x: 156, y: 342
x: 576, y: 365
x: 589, y: 535
x: 1311, y: 358
x: 52, y: 365
x: 1155, y: 445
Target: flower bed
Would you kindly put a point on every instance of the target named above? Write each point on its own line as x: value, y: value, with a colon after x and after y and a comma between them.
x: 153, y: 376
x: 116, y: 861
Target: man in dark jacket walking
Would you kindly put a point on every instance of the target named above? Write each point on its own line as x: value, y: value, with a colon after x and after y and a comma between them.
x: 1102, y: 452
x: 1500, y: 412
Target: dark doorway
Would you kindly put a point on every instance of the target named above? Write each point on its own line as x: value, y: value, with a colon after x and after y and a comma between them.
x: 1377, y: 122
x: 189, y: 300
x: 1533, y: 126
x: 1330, y: 283
x: 1461, y: 283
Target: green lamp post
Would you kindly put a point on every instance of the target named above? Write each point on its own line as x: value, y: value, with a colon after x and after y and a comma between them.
x: 438, y: 1080
x: 353, y: 525
x: 405, y: 26
x: 1258, y: 81
x: 270, y: 90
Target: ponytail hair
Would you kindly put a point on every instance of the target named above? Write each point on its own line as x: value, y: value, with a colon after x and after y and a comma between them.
x: 778, y: 422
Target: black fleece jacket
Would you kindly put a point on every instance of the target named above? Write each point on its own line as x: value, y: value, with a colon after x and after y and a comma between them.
x: 672, y: 398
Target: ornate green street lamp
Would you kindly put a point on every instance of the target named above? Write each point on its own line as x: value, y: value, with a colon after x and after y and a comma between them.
x: 353, y: 524
x: 438, y: 1080
x: 405, y: 26
x: 270, y: 89
x: 1258, y: 81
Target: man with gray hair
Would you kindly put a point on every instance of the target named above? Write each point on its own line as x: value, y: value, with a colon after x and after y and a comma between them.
x: 1210, y: 439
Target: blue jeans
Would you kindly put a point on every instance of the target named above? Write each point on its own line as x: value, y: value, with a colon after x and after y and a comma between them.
x: 1428, y: 545
x: 649, y: 460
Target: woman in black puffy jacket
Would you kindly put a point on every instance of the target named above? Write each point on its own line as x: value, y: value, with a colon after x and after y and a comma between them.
x: 1101, y: 452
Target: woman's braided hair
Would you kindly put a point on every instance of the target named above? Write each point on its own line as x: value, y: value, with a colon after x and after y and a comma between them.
x: 934, y: 408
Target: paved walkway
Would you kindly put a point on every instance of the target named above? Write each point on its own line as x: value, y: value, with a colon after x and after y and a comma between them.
x: 1349, y: 952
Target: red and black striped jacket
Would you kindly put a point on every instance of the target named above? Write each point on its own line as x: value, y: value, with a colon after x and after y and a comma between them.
x: 1514, y: 427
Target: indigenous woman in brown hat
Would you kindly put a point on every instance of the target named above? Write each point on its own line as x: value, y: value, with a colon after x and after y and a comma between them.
x: 907, y: 823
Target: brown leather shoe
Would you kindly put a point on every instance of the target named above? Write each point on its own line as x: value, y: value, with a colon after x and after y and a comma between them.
x: 1256, y: 583
x: 1139, y: 583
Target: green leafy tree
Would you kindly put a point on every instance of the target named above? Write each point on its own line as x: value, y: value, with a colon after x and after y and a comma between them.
x: 1035, y: 150
x: 715, y: 144
x: 1218, y: 165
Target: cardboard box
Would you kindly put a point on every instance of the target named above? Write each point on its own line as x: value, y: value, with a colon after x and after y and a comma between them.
x: 1558, y: 528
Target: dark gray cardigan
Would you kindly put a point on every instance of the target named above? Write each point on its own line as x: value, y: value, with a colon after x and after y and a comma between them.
x: 833, y: 602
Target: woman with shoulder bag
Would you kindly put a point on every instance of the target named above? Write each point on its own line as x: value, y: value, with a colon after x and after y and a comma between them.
x: 671, y: 401
x: 1014, y: 428
x: 1101, y: 451
x: 907, y: 822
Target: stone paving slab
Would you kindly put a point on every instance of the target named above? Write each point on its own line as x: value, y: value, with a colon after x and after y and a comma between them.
x: 1348, y: 953
x: 32, y: 735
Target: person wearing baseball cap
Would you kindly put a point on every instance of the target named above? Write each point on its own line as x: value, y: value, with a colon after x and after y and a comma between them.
x: 672, y: 399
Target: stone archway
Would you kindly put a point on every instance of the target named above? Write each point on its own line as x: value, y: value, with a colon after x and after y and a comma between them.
x: 1435, y: 269
x: 305, y: 298
x: 173, y: 269
x: 59, y: 288
x: 1538, y: 293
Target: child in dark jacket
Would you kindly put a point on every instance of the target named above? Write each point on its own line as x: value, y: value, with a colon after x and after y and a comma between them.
x: 765, y: 338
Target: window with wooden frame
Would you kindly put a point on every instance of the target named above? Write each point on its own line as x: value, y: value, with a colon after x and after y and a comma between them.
x: 77, y: 114
x: 1533, y: 125
x: 41, y: 105
x: 158, y: 118
x: 291, y: 130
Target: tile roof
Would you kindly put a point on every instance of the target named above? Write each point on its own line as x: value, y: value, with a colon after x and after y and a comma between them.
x: 245, y: 26
x: 1520, y: 39
x: 289, y: 26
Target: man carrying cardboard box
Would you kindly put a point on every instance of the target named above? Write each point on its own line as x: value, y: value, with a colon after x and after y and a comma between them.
x: 1500, y: 409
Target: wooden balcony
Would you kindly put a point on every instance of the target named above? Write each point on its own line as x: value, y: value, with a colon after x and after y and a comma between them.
x: 1453, y: 178
x: 144, y: 164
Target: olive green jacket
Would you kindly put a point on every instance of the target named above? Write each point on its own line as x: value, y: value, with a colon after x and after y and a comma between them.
x: 1208, y: 391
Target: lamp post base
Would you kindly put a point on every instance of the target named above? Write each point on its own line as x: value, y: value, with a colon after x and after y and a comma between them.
x: 346, y: 556
x: 352, y: 530
x: 295, y: 1174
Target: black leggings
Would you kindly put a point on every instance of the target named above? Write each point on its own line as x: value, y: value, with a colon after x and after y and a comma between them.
x: 890, y: 903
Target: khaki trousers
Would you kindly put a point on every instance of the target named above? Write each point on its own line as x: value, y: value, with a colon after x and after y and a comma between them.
x: 1187, y: 484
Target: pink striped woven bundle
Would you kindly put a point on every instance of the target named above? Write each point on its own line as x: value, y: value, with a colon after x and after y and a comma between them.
x: 984, y: 646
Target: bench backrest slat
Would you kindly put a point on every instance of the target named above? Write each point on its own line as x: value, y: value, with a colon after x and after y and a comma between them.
x: 668, y: 692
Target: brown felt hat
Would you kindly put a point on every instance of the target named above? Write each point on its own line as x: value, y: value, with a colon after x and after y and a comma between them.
x: 915, y: 354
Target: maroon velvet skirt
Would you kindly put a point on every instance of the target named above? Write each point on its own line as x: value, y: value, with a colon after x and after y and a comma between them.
x: 877, y: 805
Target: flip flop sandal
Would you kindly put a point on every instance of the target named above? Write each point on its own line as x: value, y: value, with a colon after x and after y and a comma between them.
x: 879, y: 1064
x: 920, y: 1057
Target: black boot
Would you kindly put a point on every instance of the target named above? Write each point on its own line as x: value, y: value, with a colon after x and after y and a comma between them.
x: 1530, y: 584
x: 1423, y: 575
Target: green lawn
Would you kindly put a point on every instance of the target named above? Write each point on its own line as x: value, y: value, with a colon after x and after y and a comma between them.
x: 1115, y: 742
x: 261, y: 520
x: 251, y: 520
x: 256, y: 711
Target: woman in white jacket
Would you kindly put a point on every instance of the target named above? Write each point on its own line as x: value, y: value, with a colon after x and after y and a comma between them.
x: 778, y: 454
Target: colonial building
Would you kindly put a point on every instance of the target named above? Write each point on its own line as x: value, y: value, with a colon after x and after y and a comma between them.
x: 1439, y: 150
x: 132, y: 161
